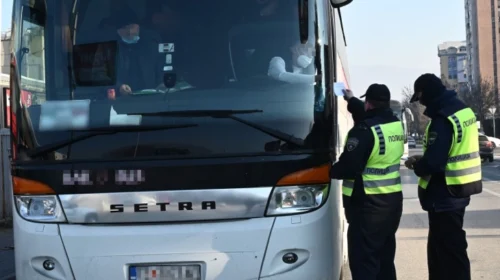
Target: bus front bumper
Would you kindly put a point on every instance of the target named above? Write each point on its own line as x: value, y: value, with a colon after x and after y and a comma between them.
x: 243, y: 249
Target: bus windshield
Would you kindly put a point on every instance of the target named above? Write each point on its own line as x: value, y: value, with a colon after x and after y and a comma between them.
x: 169, y: 78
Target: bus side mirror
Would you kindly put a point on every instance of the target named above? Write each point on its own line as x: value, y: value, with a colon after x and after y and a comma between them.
x: 340, y: 3
x: 408, y: 111
x: 405, y: 110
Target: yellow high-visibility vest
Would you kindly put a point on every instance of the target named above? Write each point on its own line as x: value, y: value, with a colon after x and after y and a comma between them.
x: 463, y: 170
x: 381, y: 174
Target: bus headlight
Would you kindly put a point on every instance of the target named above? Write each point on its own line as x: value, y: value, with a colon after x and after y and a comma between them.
x: 40, y: 208
x: 296, y: 199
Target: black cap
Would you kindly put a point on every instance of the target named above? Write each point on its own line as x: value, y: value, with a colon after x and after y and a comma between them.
x: 125, y: 17
x: 377, y: 92
x: 427, y: 84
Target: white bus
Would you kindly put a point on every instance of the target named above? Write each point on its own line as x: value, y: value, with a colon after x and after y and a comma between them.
x: 401, y: 112
x: 178, y: 139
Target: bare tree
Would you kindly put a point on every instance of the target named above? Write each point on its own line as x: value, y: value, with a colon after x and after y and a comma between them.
x: 420, y: 121
x: 480, y: 97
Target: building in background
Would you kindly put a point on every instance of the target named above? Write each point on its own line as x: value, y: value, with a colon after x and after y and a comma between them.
x: 4, y: 75
x: 4, y: 58
x: 453, y: 60
x: 482, y: 24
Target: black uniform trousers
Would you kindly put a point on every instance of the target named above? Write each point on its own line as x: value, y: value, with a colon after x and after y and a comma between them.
x: 447, y: 246
x: 371, y: 239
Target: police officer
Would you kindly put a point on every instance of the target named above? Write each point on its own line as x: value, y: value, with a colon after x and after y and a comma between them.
x: 449, y: 173
x: 369, y: 168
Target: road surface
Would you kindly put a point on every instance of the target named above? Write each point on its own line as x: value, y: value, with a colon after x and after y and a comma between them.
x: 482, y: 224
x: 6, y: 254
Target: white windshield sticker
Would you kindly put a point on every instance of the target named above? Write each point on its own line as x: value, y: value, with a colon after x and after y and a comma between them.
x: 166, y: 48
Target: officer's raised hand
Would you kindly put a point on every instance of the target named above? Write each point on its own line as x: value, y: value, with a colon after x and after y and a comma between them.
x: 347, y: 94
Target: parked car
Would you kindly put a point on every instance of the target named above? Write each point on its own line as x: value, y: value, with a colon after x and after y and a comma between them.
x: 486, y: 148
x: 495, y: 141
x: 411, y: 142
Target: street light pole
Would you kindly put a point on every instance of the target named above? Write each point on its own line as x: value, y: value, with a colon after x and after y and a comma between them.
x: 493, y: 111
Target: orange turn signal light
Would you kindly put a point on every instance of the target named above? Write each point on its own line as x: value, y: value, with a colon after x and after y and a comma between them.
x: 23, y: 186
x: 311, y: 176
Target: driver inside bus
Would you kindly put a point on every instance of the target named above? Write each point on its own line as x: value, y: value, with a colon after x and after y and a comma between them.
x: 139, y: 65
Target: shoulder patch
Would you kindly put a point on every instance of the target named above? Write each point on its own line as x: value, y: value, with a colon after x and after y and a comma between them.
x: 352, y: 143
x: 432, y: 138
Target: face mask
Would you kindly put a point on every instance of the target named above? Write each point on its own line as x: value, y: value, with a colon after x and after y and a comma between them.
x: 304, y: 61
x: 134, y: 40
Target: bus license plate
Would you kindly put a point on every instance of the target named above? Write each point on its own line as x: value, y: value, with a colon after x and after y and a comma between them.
x: 165, y: 272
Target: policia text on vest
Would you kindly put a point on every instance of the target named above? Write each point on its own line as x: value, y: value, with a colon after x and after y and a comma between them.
x: 463, y: 170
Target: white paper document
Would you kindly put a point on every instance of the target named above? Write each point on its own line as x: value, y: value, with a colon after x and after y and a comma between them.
x: 338, y: 88
x: 119, y: 119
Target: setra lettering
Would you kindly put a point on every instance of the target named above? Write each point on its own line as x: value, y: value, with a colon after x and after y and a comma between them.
x: 163, y: 206
x: 396, y: 138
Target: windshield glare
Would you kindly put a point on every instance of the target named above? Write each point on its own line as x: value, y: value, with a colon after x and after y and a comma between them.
x: 113, y: 59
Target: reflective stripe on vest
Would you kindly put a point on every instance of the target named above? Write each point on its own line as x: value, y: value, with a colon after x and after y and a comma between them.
x: 381, y: 174
x: 464, y: 162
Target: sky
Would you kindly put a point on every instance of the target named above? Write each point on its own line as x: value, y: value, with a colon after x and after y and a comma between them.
x: 6, y: 10
x: 388, y: 41
x: 395, y: 41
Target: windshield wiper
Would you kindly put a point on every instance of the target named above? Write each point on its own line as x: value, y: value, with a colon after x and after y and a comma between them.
x: 196, y: 113
x: 229, y: 114
x: 96, y: 131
